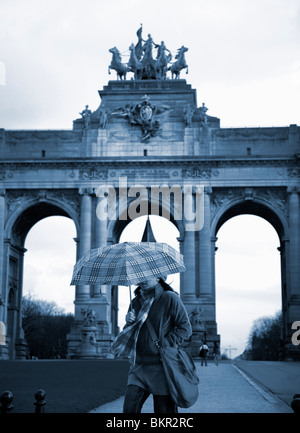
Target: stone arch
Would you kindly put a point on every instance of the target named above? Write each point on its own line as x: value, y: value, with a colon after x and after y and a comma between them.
x: 21, y: 218
x: 116, y: 227
x: 258, y: 207
x: 277, y: 219
x: 31, y: 211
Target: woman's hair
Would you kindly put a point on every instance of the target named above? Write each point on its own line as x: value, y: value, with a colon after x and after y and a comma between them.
x: 164, y: 285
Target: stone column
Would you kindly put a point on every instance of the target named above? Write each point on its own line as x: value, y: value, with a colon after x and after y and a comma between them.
x: 188, y: 249
x: 181, y: 250
x: 285, y: 283
x: 82, y: 295
x: 100, y: 241
x: 213, y: 268
x: 2, y: 285
x: 294, y: 253
x: 85, y: 236
x: 21, y: 344
x: 188, y: 287
x: 205, y: 251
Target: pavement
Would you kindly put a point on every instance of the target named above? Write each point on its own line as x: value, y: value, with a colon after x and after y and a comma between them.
x: 239, y: 387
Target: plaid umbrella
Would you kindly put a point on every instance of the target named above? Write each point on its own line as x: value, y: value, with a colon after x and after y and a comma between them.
x: 127, y: 263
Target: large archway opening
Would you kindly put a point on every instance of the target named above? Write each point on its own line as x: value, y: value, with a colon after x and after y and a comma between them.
x: 163, y: 231
x: 248, y: 278
x: 49, y: 260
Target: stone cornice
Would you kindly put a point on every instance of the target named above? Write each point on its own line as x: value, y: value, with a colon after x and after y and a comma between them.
x: 114, y: 162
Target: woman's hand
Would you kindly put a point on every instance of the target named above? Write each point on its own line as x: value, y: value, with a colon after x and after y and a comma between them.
x: 130, y: 317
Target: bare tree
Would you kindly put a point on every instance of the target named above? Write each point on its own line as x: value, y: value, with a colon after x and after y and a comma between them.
x: 45, y: 327
x: 264, y: 339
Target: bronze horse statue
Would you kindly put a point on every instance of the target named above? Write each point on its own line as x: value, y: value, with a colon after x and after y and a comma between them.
x: 161, y: 65
x: 179, y: 64
x: 117, y: 64
x: 134, y: 64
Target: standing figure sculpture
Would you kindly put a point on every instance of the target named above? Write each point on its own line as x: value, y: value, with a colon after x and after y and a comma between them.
x: 203, y: 115
x: 148, y: 61
x: 188, y: 112
x: 117, y: 64
x: 103, y: 117
x: 86, y: 115
x: 179, y: 64
x: 139, y: 45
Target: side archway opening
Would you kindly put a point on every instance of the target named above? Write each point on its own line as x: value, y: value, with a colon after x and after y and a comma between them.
x: 248, y: 277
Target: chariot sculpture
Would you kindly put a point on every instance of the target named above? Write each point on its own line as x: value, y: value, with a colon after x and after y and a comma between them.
x: 142, y: 63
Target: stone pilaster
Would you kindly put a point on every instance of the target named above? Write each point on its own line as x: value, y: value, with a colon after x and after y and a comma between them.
x: 189, y: 141
x: 4, y: 352
x: 101, y: 142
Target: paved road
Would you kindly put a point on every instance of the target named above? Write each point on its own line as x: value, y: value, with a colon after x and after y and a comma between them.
x: 223, y: 389
x: 282, y: 379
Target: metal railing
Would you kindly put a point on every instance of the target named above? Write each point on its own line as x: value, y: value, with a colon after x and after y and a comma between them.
x: 6, y: 399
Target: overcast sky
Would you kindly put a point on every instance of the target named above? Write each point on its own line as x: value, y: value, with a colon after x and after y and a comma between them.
x: 243, y: 56
x: 244, y: 63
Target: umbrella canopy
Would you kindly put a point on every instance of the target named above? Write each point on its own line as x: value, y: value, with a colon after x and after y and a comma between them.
x: 127, y: 263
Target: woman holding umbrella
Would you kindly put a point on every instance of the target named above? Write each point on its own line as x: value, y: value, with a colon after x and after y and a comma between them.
x: 156, y: 309
x: 157, y: 302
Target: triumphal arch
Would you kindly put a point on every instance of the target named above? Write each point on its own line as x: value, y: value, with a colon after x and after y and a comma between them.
x: 148, y: 130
